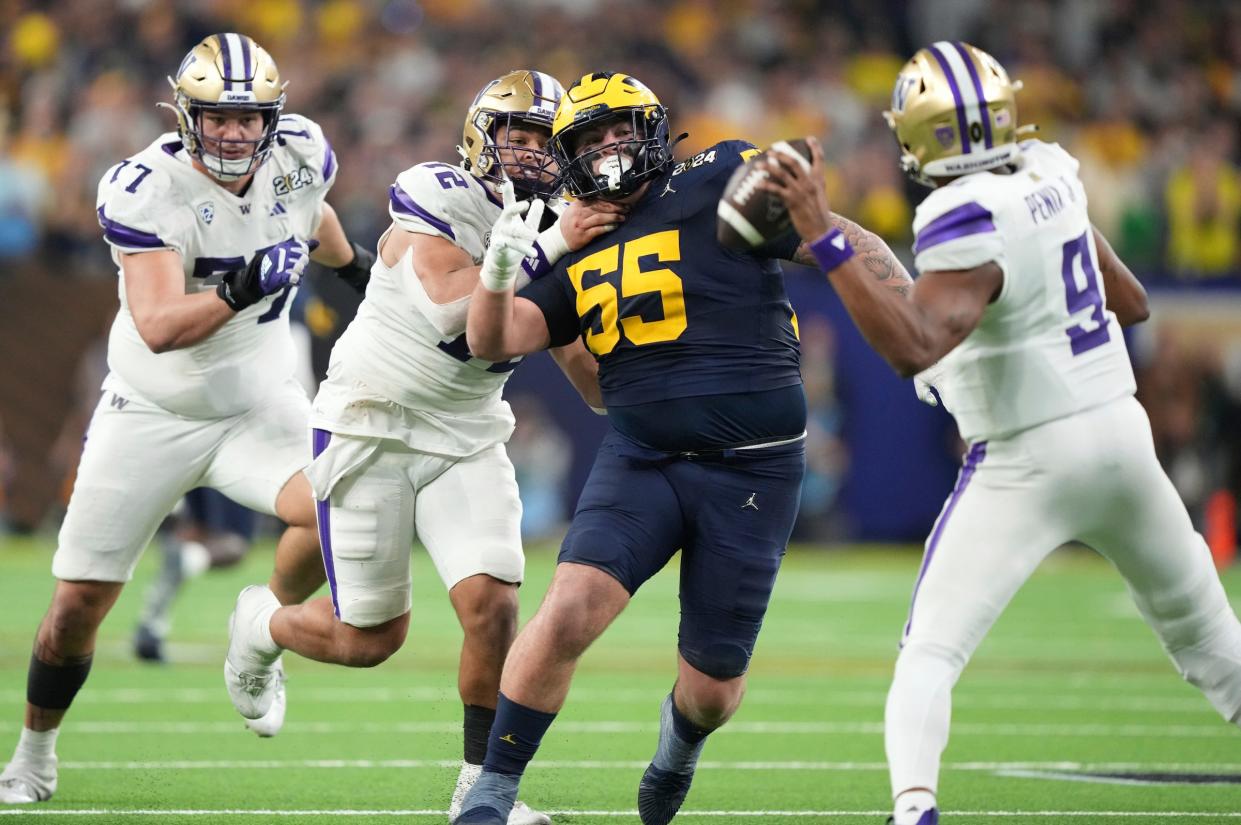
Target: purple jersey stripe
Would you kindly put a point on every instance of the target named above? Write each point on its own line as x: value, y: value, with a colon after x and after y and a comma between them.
x: 973, y: 458
x: 404, y: 204
x: 323, y: 510
x: 122, y: 235
x: 228, y: 59
x: 329, y: 160
x: 491, y: 196
x: 967, y: 219
x: 983, y: 111
x: 962, y: 126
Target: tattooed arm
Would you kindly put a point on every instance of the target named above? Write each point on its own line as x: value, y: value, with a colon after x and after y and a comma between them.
x: 912, y: 327
x: 873, y: 252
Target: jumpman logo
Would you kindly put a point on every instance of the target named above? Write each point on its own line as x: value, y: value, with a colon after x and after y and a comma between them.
x: 667, y: 188
x: 508, y: 737
x: 749, y: 502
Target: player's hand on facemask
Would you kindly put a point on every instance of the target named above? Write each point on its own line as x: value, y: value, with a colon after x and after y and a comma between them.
x: 512, y: 240
x: 270, y: 271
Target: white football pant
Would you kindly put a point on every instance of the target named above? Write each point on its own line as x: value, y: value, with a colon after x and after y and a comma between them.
x: 1091, y: 478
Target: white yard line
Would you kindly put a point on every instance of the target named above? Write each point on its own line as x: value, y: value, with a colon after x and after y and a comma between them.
x: 596, y: 764
x: 243, y: 812
x: 875, y: 728
x: 963, y: 700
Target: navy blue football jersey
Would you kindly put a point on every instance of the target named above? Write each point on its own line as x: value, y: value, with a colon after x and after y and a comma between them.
x: 670, y: 313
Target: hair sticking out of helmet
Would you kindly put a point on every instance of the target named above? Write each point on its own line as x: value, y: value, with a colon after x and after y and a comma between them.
x: 954, y: 112
x: 506, y: 131
x: 228, y: 74
x: 603, y: 103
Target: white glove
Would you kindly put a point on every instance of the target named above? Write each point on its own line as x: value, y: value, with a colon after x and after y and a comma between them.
x: 512, y: 240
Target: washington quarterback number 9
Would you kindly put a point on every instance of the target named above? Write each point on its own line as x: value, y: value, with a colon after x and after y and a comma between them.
x: 1083, y: 338
x: 665, y: 247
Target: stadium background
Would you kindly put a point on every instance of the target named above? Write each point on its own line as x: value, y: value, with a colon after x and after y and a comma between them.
x: 1147, y: 95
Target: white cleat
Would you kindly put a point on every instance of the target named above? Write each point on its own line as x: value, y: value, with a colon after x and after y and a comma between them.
x: 22, y: 784
x: 250, y: 673
x: 522, y: 814
x: 270, y: 723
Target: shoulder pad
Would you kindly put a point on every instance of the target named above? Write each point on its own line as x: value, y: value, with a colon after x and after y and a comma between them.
x: 140, y: 208
x: 304, y: 140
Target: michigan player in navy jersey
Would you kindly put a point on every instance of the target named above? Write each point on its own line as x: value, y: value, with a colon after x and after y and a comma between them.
x: 699, y: 370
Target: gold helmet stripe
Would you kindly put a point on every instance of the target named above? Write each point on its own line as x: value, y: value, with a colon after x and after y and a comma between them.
x: 968, y: 97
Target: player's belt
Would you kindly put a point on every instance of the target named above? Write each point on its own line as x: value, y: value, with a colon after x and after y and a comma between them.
x: 732, y: 449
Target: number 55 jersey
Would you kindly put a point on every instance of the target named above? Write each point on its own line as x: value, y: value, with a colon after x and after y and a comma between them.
x: 157, y: 200
x: 1047, y: 347
x: 696, y: 343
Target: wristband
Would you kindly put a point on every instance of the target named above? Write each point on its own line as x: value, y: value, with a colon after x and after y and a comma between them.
x: 549, y: 247
x: 831, y: 250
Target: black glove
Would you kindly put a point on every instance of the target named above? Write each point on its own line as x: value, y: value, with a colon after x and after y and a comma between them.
x: 357, y: 273
x: 269, y: 271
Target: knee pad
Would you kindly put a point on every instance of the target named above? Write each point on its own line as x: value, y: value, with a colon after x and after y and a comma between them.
x: 719, y: 660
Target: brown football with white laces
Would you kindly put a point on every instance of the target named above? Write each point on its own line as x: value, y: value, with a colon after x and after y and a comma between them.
x: 747, y: 216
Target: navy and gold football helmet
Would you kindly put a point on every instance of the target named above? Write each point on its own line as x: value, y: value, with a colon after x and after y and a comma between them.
x: 598, y: 99
x: 227, y: 72
x: 954, y: 111
x: 520, y: 99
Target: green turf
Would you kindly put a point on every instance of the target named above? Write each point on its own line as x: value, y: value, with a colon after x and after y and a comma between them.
x: 1070, y: 675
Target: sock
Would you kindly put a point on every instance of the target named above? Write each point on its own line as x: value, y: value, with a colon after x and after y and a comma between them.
x: 909, y: 805
x: 36, y: 746
x: 515, y: 736
x: 477, y: 727
x: 157, y: 608
x: 680, y: 740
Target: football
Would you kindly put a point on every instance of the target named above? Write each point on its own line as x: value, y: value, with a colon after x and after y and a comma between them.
x: 747, y: 216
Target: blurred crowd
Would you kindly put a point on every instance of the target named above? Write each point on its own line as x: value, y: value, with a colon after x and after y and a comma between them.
x: 1147, y: 94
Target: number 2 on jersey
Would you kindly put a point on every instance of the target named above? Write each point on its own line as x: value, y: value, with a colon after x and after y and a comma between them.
x: 1094, y: 333
x: 666, y: 248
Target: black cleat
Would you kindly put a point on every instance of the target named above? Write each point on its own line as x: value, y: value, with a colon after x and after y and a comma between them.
x: 660, y: 794
x: 147, y: 646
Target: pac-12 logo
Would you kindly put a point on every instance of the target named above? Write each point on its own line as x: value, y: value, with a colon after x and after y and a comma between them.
x: 900, y: 94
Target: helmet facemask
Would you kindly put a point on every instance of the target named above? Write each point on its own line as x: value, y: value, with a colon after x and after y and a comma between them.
x: 532, y: 169
x: 627, y: 164
x: 190, y: 115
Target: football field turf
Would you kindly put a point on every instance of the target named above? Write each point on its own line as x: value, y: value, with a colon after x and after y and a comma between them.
x: 1069, y: 683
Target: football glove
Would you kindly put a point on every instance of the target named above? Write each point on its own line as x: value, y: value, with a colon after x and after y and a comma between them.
x: 357, y: 273
x: 270, y: 271
x: 512, y: 240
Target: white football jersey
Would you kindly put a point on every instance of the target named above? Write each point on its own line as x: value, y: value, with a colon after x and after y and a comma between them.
x: 392, y: 373
x: 158, y: 200
x: 1047, y: 347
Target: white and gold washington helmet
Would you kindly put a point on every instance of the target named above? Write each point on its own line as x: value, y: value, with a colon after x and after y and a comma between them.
x: 519, y: 99
x: 954, y: 112
x: 227, y: 72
